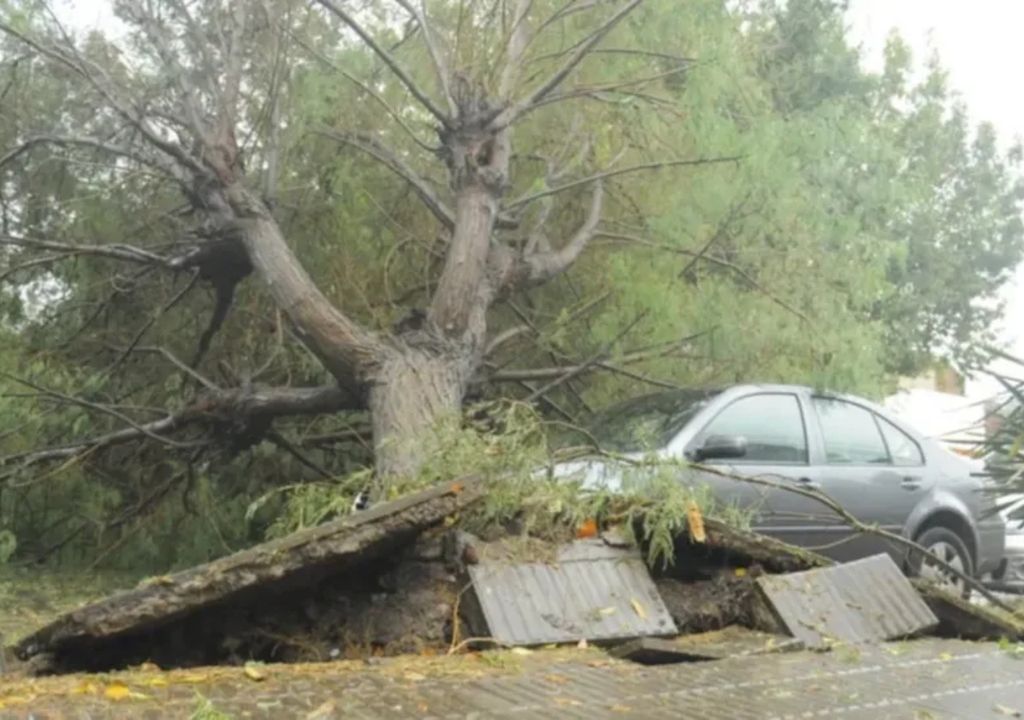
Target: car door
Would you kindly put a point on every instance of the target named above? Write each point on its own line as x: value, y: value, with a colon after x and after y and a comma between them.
x: 868, y: 466
x: 772, y: 423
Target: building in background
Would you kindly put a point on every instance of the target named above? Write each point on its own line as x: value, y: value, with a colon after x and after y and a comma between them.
x: 935, y: 405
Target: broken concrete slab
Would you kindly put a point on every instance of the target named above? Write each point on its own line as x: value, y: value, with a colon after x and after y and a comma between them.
x: 590, y: 590
x: 299, y: 559
x: 864, y: 601
x: 733, y: 641
x: 771, y: 554
x: 963, y: 619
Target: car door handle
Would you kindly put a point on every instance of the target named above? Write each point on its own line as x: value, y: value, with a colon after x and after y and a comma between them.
x: 806, y: 482
x: 910, y: 483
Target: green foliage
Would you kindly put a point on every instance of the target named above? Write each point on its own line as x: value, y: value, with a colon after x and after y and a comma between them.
x: 521, y: 497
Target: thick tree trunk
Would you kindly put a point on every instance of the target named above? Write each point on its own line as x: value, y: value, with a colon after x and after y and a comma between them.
x: 346, y: 349
x: 413, y: 391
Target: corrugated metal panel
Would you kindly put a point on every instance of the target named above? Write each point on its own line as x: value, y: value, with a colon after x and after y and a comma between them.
x: 865, y: 601
x: 592, y: 591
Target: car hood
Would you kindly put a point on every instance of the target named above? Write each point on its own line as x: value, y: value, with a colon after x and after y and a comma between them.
x: 595, y: 473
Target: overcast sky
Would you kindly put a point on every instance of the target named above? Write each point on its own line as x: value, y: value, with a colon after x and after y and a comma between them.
x: 980, y: 44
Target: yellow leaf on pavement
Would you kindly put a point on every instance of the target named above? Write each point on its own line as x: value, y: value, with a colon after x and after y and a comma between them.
x: 254, y: 672
x: 638, y: 608
x: 117, y: 691
x: 86, y: 687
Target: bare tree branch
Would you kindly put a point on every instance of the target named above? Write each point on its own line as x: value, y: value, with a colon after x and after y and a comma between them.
x: 100, y: 81
x: 511, y: 114
x: 629, y: 358
x: 436, y: 56
x: 85, y: 142
x: 702, y: 255
x: 515, y: 48
x: 262, y: 403
x: 586, y: 365
x: 593, y: 90
x: 527, y: 199
x: 369, y: 91
x: 114, y: 251
x: 391, y: 160
x: 178, y: 363
x: 543, y: 266
x: 98, y: 407
x: 389, y: 60
x: 152, y: 320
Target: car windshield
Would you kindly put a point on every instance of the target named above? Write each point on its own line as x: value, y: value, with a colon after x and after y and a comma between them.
x: 647, y: 422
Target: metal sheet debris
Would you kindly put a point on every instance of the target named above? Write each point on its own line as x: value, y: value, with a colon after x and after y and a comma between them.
x: 591, y: 591
x: 864, y: 601
x: 733, y: 641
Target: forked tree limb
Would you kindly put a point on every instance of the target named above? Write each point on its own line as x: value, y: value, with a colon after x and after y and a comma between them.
x: 437, y: 58
x: 509, y: 116
x: 389, y: 60
x: 393, y: 162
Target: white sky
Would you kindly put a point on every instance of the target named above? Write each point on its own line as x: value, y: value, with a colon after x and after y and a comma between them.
x: 979, y: 43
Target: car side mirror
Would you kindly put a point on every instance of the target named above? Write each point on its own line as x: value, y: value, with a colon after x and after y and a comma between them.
x: 721, y: 447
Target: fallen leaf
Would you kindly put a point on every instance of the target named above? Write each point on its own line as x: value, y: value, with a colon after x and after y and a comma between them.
x: 117, y: 691
x: 86, y: 688
x: 606, y: 611
x: 582, y: 644
x: 695, y: 523
x: 157, y: 682
x: 457, y: 487
x: 521, y: 651
x: 1007, y: 711
x: 587, y: 529
x: 321, y: 712
x: 414, y: 677
x: 740, y: 572
x: 946, y: 656
x: 254, y: 672
x: 638, y: 608
x: 566, y: 701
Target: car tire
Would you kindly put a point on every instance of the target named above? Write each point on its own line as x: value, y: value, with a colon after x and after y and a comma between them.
x: 948, y: 545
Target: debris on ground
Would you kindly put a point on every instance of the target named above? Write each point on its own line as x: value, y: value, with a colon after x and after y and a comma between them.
x: 864, y: 601
x: 405, y: 578
x: 205, y: 601
x: 960, y: 618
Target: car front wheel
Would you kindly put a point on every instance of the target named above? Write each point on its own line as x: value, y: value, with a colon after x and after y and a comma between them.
x: 946, y: 545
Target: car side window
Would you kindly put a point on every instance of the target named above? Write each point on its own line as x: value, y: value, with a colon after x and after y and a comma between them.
x: 772, y: 424
x: 905, y: 452
x: 850, y: 433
